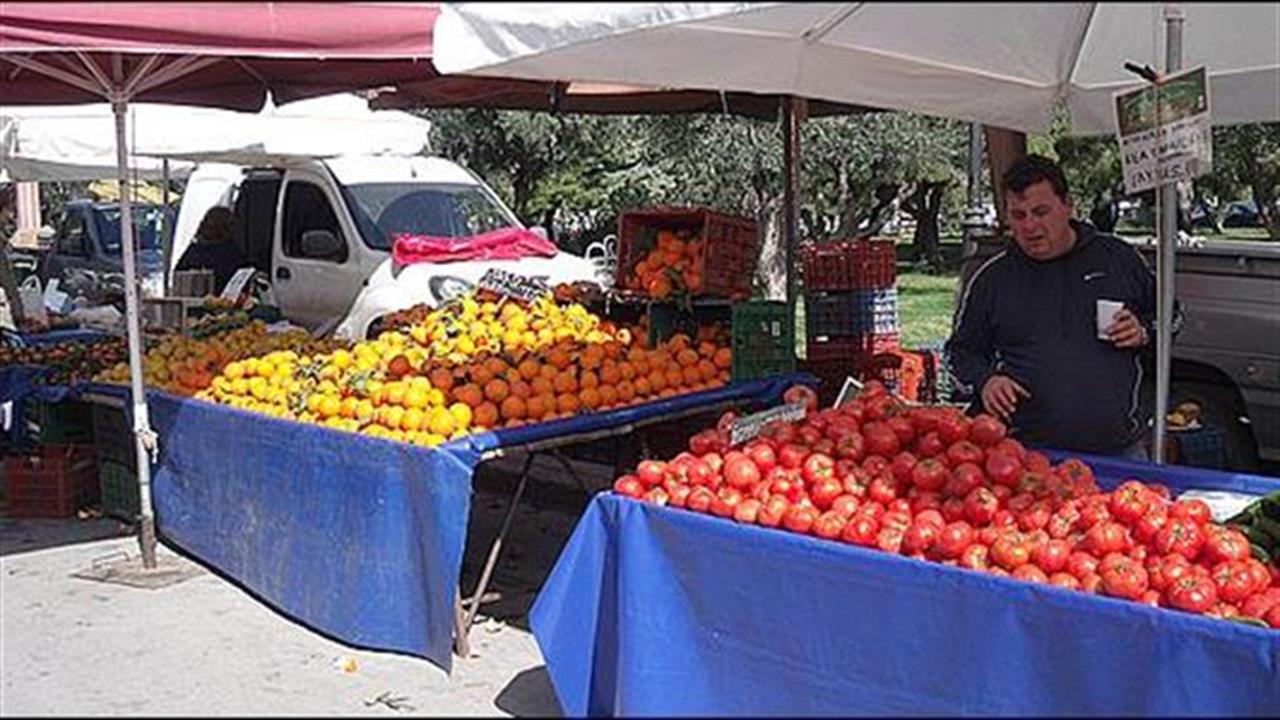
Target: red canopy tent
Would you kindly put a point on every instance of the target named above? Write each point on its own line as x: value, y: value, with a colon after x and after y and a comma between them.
x: 226, y: 55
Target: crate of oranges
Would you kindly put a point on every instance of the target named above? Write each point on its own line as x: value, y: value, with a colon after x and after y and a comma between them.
x: 664, y: 252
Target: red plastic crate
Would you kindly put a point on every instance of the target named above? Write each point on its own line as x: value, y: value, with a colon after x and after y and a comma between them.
x: 851, y: 349
x: 53, y: 484
x: 849, y: 265
x: 732, y: 246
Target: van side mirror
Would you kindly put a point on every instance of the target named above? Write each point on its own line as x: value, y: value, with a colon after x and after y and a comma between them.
x: 323, y: 245
x: 539, y: 231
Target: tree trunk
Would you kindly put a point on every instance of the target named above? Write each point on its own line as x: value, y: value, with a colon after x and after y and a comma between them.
x: 1264, y: 196
x: 924, y: 204
x: 772, y: 270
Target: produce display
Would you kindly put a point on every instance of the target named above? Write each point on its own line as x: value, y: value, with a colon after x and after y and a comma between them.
x: 674, y: 266
x: 70, y: 362
x: 934, y: 485
x: 1260, y: 522
x: 185, y: 365
x: 477, y: 363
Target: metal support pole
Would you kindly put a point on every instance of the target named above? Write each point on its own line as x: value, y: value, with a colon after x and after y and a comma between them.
x: 144, y: 438
x: 791, y: 190
x: 167, y: 237
x: 1167, y: 241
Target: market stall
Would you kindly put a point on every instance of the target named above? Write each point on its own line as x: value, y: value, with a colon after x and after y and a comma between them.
x: 721, y: 604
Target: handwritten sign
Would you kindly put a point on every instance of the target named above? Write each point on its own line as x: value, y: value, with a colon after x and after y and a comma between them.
x: 1165, y: 131
x: 236, y: 284
x: 747, y: 428
x: 513, y: 285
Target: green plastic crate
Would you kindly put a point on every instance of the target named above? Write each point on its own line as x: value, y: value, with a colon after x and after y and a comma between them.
x: 764, y: 339
x: 118, y: 488
x: 59, y: 423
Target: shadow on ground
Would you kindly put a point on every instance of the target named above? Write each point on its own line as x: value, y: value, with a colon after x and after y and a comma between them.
x: 29, y: 535
x: 529, y: 694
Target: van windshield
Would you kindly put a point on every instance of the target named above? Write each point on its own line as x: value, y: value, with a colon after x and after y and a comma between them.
x: 148, y: 227
x: 384, y: 210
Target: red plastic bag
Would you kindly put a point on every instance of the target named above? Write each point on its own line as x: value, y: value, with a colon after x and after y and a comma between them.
x: 503, y: 244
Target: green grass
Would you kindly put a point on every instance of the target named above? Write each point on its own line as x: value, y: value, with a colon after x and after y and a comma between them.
x: 925, y: 306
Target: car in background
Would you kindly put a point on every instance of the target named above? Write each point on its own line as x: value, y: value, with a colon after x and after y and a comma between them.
x: 85, y: 253
x: 1241, y: 214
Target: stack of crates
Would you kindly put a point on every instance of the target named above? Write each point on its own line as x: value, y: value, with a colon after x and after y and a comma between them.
x: 851, y: 305
x: 764, y: 339
x: 117, y: 462
x: 732, y: 246
x: 53, y: 482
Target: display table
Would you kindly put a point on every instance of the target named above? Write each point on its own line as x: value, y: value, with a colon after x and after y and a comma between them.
x: 358, y: 538
x: 658, y: 611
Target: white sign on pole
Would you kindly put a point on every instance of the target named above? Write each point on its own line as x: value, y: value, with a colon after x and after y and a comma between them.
x: 1165, y: 131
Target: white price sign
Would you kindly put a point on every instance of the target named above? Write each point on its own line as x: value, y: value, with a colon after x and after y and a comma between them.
x: 513, y: 285
x: 1165, y: 131
x: 747, y: 428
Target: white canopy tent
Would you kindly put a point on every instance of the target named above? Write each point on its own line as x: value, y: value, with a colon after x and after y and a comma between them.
x: 77, y: 142
x: 1000, y: 64
x: 1005, y: 65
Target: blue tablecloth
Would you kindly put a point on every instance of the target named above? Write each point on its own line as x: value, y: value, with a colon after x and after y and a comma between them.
x: 52, y: 337
x: 659, y: 611
x: 355, y: 537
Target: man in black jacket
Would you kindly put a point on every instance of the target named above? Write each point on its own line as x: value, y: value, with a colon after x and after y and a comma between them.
x: 1025, y: 337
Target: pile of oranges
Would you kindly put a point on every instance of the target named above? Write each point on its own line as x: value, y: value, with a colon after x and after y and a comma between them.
x: 674, y: 266
x: 475, y: 364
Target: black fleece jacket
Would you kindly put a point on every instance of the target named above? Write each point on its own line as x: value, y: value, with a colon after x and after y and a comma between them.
x: 1035, y: 322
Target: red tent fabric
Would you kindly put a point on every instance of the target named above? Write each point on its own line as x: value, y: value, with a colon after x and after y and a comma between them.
x: 219, y: 54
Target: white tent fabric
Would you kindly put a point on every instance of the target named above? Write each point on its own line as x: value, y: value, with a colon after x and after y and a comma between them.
x: 77, y: 142
x: 1006, y: 65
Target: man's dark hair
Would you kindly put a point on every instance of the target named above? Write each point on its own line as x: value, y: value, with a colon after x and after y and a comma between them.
x: 1029, y: 170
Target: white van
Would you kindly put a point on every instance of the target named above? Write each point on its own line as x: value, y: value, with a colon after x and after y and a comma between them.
x: 321, y: 230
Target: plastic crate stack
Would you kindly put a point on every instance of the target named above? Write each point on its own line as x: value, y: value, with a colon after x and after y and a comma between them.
x: 851, y: 306
x: 732, y: 246
x: 764, y: 339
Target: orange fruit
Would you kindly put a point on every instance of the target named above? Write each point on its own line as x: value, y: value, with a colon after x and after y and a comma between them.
x: 560, y: 358
x: 675, y: 377
x: 513, y: 408
x: 626, y: 391
x: 567, y: 403
x: 541, y: 385
x: 535, y: 407
x: 589, y: 380
x: 608, y: 395
x: 565, y: 382
x: 548, y: 405
x: 658, y: 380
x: 592, y: 357
x: 486, y: 415
x: 609, y: 374
x: 723, y: 358
x: 529, y: 369
x: 643, y: 389
x: 497, y: 390
x: 706, y: 369
x: 480, y: 375
x: 687, y: 358
x: 521, y: 389
x: 469, y: 394
x: 707, y: 349
x: 627, y: 371
x: 692, y: 376
x: 548, y: 371
x: 590, y: 398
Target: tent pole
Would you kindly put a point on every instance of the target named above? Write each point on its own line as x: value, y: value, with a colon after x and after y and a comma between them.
x: 1166, y: 256
x: 167, y: 238
x: 791, y: 190
x: 144, y: 438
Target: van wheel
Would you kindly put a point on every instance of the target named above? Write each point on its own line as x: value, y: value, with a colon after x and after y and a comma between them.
x: 1220, y: 407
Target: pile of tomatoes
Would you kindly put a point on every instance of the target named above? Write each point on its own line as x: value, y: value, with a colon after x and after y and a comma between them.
x: 932, y: 484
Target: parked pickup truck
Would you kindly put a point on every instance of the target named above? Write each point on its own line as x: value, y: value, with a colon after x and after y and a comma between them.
x: 322, y: 231
x: 1226, y: 356
x: 85, y: 253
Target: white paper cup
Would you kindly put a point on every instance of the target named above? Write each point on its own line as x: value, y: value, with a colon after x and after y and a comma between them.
x: 1107, y: 310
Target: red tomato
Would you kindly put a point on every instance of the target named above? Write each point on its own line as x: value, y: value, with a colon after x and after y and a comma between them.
x: 1181, y: 536
x: 725, y: 423
x: 829, y: 525
x: 801, y: 394
x: 896, y: 519
x: 1257, y: 605
x: 791, y: 456
x: 1149, y: 525
x: 1151, y: 598
x: 1261, y: 577
x: 954, y: 539
x: 845, y: 505
x: 1091, y: 583
x: 1196, y: 511
x: 699, y: 472
x: 1224, y: 544
x: 651, y: 472
x: 1082, y: 564
x: 1123, y: 577
x: 1020, y: 502
x: 726, y: 501
x: 964, y: 452
x: 929, y: 474
x: 929, y: 515
x: 715, y: 461
x: 1051, y: 556
x: 852, y: 447
x: 1039, y: 462
x: 965, y: 478
x: 1063, y: 521
x: 629, y: 485
x: 1065, y: 580
x: 1130, y: 501
x: 819, y: 467
x: 1167, y: 571
x: 861, y: 530
x: 953, y: 427
x: 872, y: 509
x: 1234, y: 580
x: 762, y: 455
x: 1030, y: 573
x: 824, y: 446
x: 1192, y: 594
x: 1272, y: 617
x: 874, y: 465
x: 919, y: 537
x: 986, y: 430
x: 824, y: 492
x: 879, y: 407
x: 740, y: 472
x: 980, y: 507
x: 889, y: 539
x: 903, y: 428
x: 976, y: 557
x: 799, y: 519
x: 953, y: 509
x: 1010, y: 447
x: 882, y: 489
x: 748, y: 511
x: 656, y: 495
x: 902, y: 466
x: 881, y: 439
x: 1106, y: 537
x: 773, y: 510
x: 924, y: 500
x: 929, y: 445
x: 1003, y: 469
x: 1009, y: 553
x: 677, y: 493
x: 1033, y: 518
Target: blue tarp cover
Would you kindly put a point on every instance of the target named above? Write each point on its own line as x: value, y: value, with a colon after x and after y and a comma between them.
x: 661, y: 611
x: 356, y: 537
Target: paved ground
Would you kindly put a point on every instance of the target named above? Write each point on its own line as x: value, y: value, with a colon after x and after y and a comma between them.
x: 70, y: 646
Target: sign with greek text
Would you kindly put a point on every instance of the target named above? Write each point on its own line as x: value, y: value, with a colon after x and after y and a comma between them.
x: 513, y: 285
x: 747, y: 428
x: 1165, y: 131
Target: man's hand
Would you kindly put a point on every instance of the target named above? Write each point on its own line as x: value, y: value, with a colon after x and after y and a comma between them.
x: 1125, y: 331
x: 1001, y: 394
